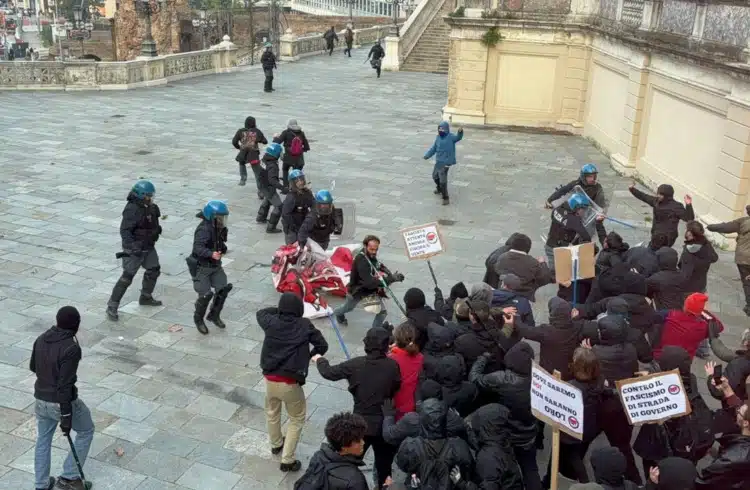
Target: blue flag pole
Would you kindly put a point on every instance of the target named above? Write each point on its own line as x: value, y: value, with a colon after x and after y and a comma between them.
x: 338, y: 334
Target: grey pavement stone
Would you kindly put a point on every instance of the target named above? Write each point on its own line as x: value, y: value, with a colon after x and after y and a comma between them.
x: 147, y: 389
x: 215, y: 455
x: 129, y: 407
x: 109, y: 454
x: 160, y: 465
x: 202, y: 477
x: 209, y: 430
x: 11, y: 447
x: 16, y: 400
x: 213, y: 407
x: 168, y: 418
x: 11, y: 419
x: 119, y: 382
x: 178, y: 397
x: 172, y: 443
x: 105, y: 476
x: 130, y: 431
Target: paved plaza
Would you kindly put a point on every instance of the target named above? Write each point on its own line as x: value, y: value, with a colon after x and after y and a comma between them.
x: 186, y: 409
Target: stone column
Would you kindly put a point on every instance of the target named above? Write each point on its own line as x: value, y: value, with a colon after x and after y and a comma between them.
x: 467, y: 76
x: 391, y: 61
x: 631, y: 122
x: 576, y: 82
x: 288, y: 50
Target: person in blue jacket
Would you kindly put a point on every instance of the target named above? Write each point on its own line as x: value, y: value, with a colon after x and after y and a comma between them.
x: 444, y: 149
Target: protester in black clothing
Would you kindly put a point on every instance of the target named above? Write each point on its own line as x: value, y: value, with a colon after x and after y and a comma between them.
x: 295, y: 145
x: 490, y: 276
x: 609, y: 467
x: 532, y: 273
x: 420, y: 314
x: 349, y: 40
x: 511, y: 387
x: 643, y: 258
x: 54, y: 359
x: 665, y: 287
x: 676, y: 474
x: 377, y: 53
x: 496, y: 466
x: 461, y: 323
x: 431, y: 455
x: 394, y: 432
x: 365, y: 281
x: 667, y: 211
x: 730, y: 469
x: 445, y: 307
x: 139, y: 231
x: 246, y: 140
x: 697, y: 256
x: 338, y: 461
x: 330, y: 36
x: 457, y: 393
x: 372, y: 379
x: 268, y: 62
x: 439, y: 346
x: 613, y: 253
x: 736, y: 371
x: 485, y: 336
x: 284, y: 359
x: 271, y: 184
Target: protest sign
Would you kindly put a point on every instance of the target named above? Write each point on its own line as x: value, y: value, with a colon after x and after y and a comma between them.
x: 654, y: 398
x: 423, y: 241
x: 574, y: 262
x: 556, y: 402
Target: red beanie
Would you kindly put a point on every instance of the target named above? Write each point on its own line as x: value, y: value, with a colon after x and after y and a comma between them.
x: 696, y: 303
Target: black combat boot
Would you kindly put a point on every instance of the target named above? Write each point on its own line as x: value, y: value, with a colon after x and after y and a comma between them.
x: 201, y: 305
x: 148, y: 300
x: 218, y: 305
x: 273, y: 220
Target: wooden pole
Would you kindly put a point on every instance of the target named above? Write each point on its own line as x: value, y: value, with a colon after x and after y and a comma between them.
x: 555, y: 470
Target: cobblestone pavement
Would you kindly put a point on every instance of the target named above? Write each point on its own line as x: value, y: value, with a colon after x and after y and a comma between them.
x: 186, y: 409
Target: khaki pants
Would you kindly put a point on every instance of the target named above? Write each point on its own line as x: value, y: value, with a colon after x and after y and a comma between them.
x: 296, y: 406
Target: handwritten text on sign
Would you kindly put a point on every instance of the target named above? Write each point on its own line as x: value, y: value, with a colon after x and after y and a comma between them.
x: 422, y: 241
x: 653, y: 398
x: 556, y: 403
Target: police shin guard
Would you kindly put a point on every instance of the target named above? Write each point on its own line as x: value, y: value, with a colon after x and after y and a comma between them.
x: 263, y: 210
x: 201, y: 305
x: 218, y: 305
x: 121, y: 286
x: 148, y: 286
x: 273, y: 220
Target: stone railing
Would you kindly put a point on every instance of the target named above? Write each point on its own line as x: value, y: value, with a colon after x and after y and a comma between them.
x: 359, y: 8
x: 81, y: 75
x: 397, y: 48
x: 295, y: 47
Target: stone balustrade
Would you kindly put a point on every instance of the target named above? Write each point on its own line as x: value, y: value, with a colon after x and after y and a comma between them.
x: 294, y: 47
x: 118, y: 75
x: 360, y: 8
x: 397, y: 48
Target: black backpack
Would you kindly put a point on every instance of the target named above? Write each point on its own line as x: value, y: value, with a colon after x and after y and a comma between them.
x: 316, y: 478
x: 434, y: 472
x: 692, y: 436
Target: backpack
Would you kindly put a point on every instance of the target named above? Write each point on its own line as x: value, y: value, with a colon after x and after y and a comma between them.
x: 249, y: 141
x: 692, y: 436
x: 318, y: 478
x: 434, y: 472
x: 297, y: 147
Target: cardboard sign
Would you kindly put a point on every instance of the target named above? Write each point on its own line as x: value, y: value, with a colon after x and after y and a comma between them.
x: 423, y: 241
x: 556, y: 402
x: 567, y: 257
x: 654, y: 398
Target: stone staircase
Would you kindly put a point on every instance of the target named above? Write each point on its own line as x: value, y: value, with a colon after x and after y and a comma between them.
x: 431, y: 52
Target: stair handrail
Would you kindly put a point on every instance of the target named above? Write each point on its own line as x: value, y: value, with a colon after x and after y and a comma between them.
x: 416, y: 24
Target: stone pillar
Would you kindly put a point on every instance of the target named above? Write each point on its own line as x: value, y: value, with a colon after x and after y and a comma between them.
x: 651, y: 14
x: 391, y: 61
x: 288, y: 50
x: 225, y: 55
x: 631, y: 123
x: 575, y: 83
x: 467, y: 78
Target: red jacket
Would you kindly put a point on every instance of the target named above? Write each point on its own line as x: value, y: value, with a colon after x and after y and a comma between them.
x: 683, y: 330
x: 410, y: 367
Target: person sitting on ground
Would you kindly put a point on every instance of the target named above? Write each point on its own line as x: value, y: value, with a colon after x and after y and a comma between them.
x: 338, y: 461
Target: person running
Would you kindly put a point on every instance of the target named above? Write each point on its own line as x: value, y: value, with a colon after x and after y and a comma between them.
x: 376, y: 55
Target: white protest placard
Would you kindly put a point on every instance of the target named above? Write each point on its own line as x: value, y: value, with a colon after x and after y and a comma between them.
x: 556, y: 402
x: 654, y: 398
x: 423, y: 241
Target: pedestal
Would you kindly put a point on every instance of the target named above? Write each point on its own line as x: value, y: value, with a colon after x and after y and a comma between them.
x: 148, y: 48
x: 391, y: 61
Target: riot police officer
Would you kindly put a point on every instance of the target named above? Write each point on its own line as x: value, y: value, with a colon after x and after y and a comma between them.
x: 567, y: 226
x: 270, y: 183
x: 209, y: 245
x: 588, y: 181
x: 139, y: 230
x: 296, y: 206
x: 321, y: 222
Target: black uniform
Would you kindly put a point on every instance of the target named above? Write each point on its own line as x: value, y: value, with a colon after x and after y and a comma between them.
x: 208, y: 273
x: 330, y: 36
x: 139, y: 231
x: 252, y: 155
x: 594, y: 191
x: 667, y: 213
x: 376, y: 55
x: 295, y: 209
x: 268, y: 173
x: 319, y: 227
x: 268, y: 61
x: 566, y: 228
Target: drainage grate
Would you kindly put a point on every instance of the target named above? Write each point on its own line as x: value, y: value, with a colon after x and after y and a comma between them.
x: 143, y: 152
x: 446, y: 222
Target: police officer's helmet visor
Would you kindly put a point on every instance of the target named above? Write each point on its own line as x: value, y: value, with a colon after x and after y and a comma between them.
x: 299, y: 182
x: 222, y: 220
x: 324, y: 208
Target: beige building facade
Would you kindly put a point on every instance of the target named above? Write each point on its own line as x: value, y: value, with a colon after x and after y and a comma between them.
x: 658, y: 114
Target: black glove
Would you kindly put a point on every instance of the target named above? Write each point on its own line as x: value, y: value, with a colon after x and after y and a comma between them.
x: 438, y: 293
x: 388, y: 409
x: 66, y: 423
x: 284, y: 190
x: 398, y: 277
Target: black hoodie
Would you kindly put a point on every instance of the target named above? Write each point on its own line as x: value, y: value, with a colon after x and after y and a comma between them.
x: 54, y: 358
x: 342, y: 472
x: 457, y: 393
x: 490, y: 276
x: 286, y: 348
x: 439, y: 344
x: 496, y: 467
x: 667, y: 213
x: 285, y: 138
x: 613, y: 254
x: 609, y: 467
x: 139, y: 228
x: 245, y: 156
x: 618, y: 358
x: 680, y: 474
x: 481, y: 339
x: 666, y: 287
x: 372, y: 378
x: 695, y: 260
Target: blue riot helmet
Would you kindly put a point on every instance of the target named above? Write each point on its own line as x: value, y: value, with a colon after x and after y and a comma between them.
x: 217, y: 211
x: 578, y: 201
x: 323, y: 202
x: 589, y: 170
x: 144, y: 189
x: 274, y: 149
x: 297, y: 179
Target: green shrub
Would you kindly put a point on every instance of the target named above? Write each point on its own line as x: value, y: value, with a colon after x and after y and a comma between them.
x: 491, y: 37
